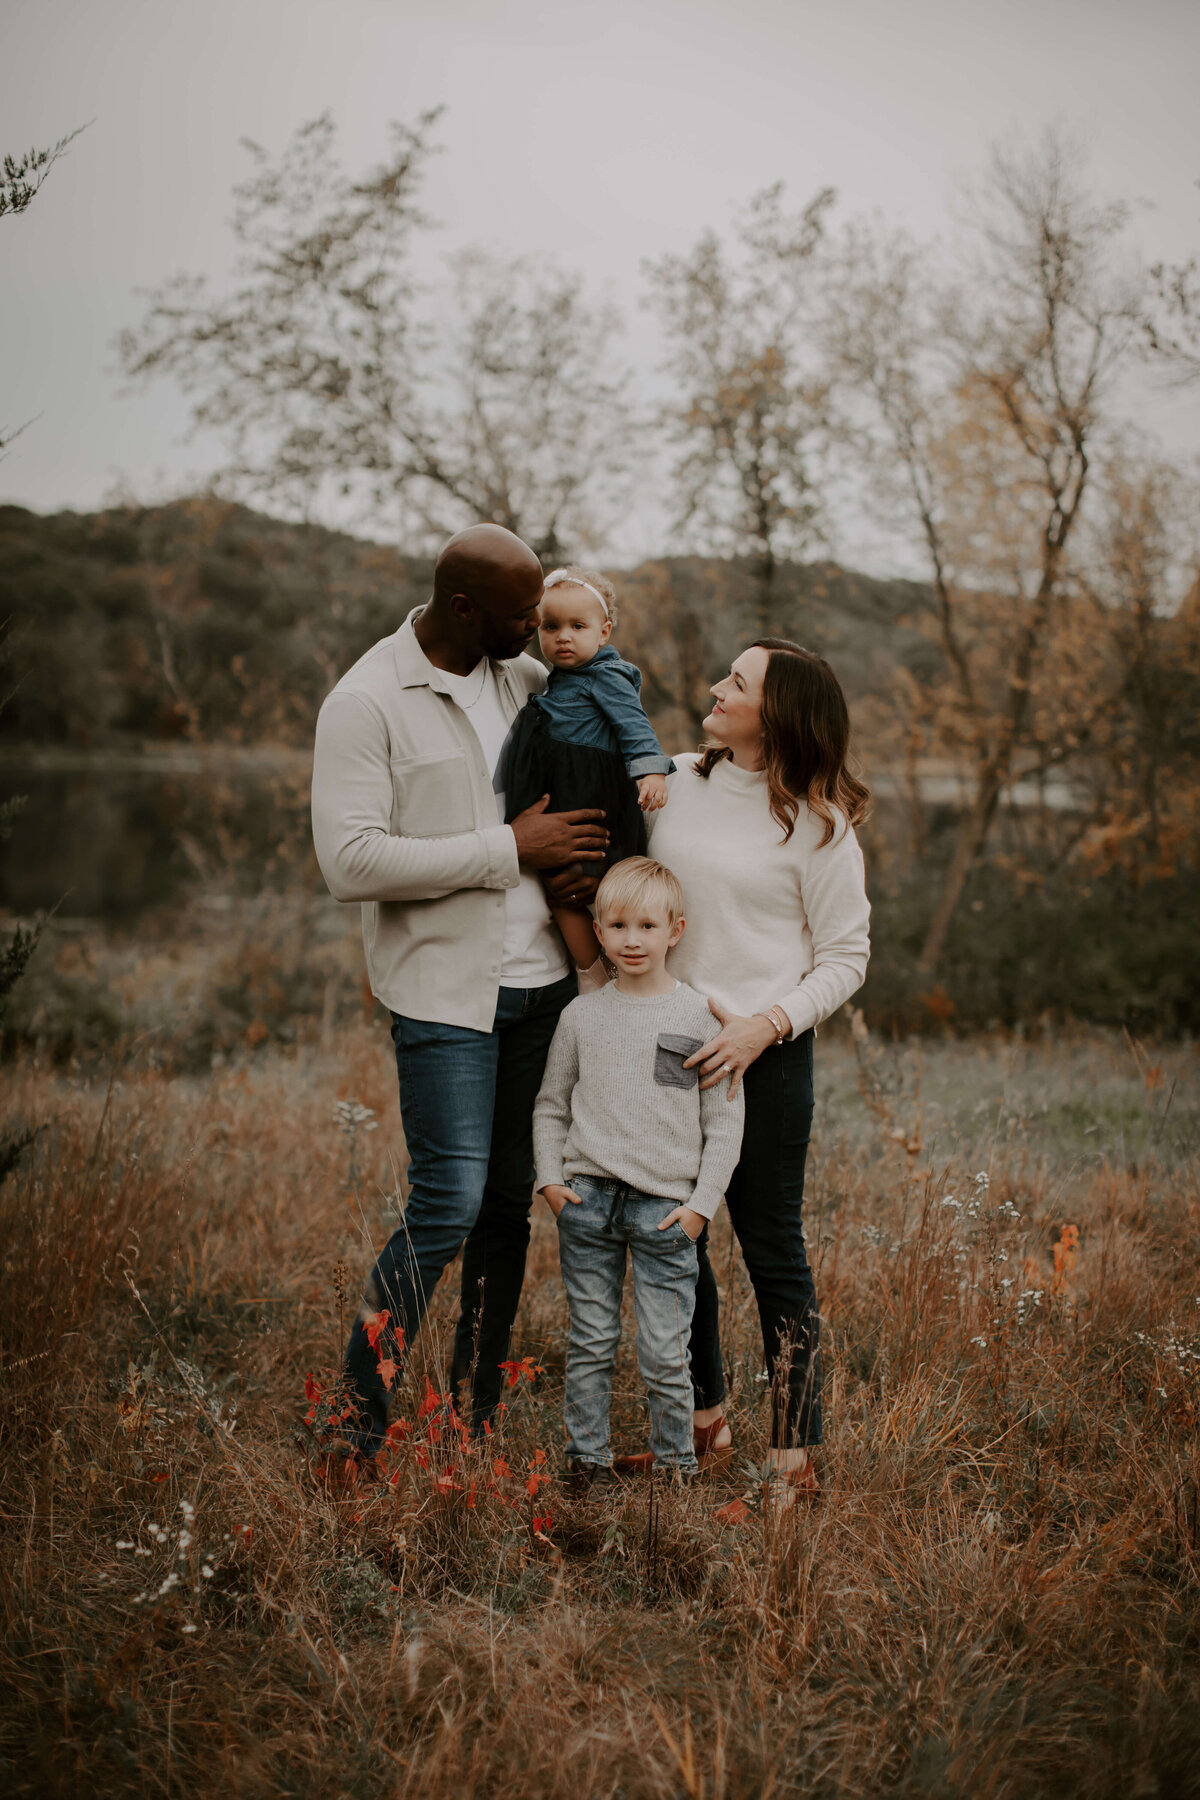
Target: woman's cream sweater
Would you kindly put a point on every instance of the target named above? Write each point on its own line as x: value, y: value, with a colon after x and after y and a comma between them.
x: 768, y: 923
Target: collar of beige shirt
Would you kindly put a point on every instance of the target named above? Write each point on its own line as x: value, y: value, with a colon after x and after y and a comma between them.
x: 414, y: 669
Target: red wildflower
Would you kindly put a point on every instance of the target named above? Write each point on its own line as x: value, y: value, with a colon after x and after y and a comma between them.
x: 373, y: 1324
x: 525, y: 1369
x: 431, y: 1402
x: 542, y: 1523
x: 445, y: 1484
x: 500, y: 1467
x: 311, y: 1390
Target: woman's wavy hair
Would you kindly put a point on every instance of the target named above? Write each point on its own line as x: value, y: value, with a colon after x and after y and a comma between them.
x: 806, y: 740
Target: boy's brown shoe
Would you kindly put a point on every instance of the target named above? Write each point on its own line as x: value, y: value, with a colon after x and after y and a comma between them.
x: 588, y: 1477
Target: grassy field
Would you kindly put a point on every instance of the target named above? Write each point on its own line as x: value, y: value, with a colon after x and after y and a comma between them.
x: 995, y: 1593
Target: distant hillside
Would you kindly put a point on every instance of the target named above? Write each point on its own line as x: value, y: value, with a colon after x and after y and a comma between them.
x: 208, y: 621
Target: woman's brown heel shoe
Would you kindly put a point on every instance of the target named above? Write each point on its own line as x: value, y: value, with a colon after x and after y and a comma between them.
x: 638, y: 1462
x: 709, y: 1454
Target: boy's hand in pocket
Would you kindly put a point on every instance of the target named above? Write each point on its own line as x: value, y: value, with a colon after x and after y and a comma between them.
x: 693, y: 1223
x: 556, y: 1197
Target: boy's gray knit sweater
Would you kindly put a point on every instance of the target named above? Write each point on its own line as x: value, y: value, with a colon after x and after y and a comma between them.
x: 616, y: 1100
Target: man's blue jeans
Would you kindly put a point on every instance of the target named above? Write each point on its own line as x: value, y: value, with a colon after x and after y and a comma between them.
x: 612, y: 1221
x: 466, y: 1101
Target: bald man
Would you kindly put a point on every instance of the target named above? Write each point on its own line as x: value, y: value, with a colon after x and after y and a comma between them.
x: 460, y: 944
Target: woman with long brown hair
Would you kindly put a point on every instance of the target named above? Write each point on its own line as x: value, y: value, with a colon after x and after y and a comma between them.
x: 759, y: 828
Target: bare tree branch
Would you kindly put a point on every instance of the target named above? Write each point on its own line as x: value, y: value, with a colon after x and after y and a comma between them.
x: 751, y: 407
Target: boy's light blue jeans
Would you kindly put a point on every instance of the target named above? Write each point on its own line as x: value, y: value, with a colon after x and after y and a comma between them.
x: 594, y: 1238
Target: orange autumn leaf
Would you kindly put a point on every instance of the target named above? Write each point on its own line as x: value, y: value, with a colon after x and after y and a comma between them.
x: 1065, y: 1252
x: 373, y: 1324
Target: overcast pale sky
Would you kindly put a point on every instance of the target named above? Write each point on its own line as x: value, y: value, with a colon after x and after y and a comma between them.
x: 598, y: 132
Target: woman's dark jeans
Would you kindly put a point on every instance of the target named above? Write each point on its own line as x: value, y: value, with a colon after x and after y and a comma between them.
x: 765, y: 1201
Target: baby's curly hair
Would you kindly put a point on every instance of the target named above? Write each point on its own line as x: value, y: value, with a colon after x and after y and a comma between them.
x: 570, y: 572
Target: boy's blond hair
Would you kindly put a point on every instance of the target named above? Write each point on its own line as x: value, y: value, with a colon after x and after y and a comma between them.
x: 630, y: 883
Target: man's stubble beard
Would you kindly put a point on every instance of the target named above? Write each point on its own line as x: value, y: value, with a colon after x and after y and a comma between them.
x: 502, y: 647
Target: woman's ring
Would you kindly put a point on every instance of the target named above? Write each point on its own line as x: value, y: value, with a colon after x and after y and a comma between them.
x: 727, y: 1068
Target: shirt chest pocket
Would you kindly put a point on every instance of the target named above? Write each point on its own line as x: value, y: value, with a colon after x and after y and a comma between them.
x: 432, y: 795
x: 670, y: 1053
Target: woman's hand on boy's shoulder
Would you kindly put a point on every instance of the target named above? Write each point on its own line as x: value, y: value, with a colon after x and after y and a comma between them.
x: 556, y: 1197
x: 738, y: 1043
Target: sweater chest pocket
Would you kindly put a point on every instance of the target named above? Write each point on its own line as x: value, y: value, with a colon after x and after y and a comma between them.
x: 432, y: 795
x: 670, y: 1053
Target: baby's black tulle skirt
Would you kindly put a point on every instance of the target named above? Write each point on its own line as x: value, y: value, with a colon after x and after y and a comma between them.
x: 574, y: 775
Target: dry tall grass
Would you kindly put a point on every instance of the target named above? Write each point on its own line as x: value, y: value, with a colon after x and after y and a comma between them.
x: 995, y: 1593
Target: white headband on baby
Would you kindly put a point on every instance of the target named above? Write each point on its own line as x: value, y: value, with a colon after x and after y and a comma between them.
x: 561, y: 577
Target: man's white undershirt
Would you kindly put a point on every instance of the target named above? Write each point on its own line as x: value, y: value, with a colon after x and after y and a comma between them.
x: 533, y: 953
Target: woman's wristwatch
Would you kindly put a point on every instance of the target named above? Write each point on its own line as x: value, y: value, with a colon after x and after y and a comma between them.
x: 779, y: 1022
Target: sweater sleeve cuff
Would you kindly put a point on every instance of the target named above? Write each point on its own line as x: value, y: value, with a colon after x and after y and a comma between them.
x: 800, y: 1010
x: 550, y: 1174
x: 705, y: 1203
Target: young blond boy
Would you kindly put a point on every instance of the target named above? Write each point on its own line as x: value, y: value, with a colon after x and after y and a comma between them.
x: 632, y: 1157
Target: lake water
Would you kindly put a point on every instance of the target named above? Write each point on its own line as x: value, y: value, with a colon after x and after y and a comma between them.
x: 108, y: 836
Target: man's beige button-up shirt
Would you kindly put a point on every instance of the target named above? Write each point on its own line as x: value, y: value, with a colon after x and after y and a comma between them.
x: 404, y: 821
